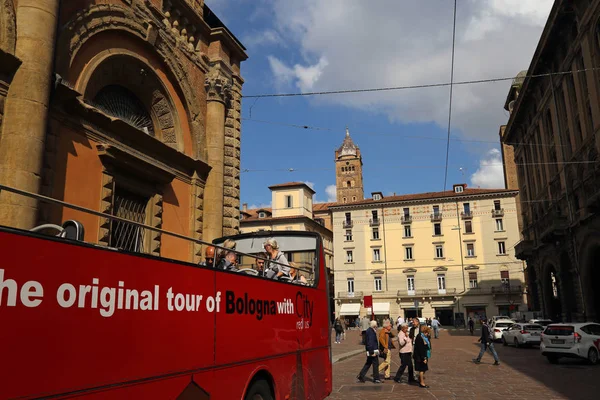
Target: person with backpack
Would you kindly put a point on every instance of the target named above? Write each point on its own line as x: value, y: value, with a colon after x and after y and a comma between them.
x: 339, y: 329
x: 487, y: 342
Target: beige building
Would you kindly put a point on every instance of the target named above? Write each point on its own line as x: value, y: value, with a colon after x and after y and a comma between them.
x: 291, y: 210
x: 447, y: 254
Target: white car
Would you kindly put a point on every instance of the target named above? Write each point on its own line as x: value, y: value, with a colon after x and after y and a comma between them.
x: 498, y: 317
x: 522, y: 334
x: 497, y: 327
x: 542, y: 322
x: 580, y: 340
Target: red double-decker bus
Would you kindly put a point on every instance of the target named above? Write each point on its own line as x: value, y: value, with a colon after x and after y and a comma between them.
x: 81, y: 320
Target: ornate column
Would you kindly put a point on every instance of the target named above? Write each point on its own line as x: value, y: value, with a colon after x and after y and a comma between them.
x: 218, y: 89
x: 23, y: 137
x: 231, y: 180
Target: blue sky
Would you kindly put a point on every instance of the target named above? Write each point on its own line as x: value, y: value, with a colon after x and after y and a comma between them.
x: 314, y: 45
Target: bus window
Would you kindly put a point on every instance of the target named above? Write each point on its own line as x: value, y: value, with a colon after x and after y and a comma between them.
x: 302, y: 249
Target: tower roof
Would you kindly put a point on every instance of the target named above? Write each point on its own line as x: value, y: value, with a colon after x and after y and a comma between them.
x: 348, y: 148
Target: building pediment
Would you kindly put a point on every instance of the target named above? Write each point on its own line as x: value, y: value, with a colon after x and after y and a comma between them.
x: 377, y: 272
x: 409, y: 271
x: 471, y: 267
x: 440, y: 269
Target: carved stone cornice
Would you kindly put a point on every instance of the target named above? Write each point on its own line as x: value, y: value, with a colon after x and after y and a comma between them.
x: 218, y: 87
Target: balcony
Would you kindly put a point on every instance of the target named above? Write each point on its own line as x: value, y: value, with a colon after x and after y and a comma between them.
x: 374, y: 222
x: 466, y: 215
x: 497, y: 212
x: 350, y: 295
x: 524, y: 249
x: 348, y: 224
x: 506, y: 289
x: 552, y: 226
x: 426, y: 292
x: 407, y: 219
x: 435, y: 217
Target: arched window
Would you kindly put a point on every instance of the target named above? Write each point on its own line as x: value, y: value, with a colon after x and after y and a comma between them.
x: 348, y: 184
x: 345, y: 200
x: 121, y: 103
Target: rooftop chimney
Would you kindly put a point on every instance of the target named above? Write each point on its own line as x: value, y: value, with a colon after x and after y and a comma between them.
x: 245, y: 207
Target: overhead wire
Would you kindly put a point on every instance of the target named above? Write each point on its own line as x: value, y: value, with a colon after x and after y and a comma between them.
x: 450, y: 102
x: 422, y: 86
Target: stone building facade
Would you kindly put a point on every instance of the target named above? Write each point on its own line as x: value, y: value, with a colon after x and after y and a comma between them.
x: 554, y: 132
x: 126, y: 107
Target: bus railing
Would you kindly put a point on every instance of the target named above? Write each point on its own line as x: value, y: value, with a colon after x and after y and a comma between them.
x: 86, y: 210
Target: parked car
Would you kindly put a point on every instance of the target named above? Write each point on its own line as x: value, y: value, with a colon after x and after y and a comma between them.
x: 522, y: 334
x: 498, y: 317
x: 580, y: 340
x: 542, y: 322
x: 497, y: 327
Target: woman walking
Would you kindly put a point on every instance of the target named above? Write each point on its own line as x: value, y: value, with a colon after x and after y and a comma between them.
x: 337, y: 326
x: 406, y: 349
x: 422, y: 354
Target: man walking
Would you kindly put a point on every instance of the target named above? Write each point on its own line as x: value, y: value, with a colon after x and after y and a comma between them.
x: 415, y: 329
x: 435, y: 324
x: 364, y: 325
x: 385, y: 346
x: 471, y: 325
x: 372, y: 354
x: 487, y: 342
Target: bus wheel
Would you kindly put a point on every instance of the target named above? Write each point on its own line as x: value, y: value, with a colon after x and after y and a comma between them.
x: 259, y: 390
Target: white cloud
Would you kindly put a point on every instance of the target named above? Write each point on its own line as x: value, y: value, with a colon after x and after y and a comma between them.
x: 358, y: 44
x: 264, y: 38
x: 331, y: 192
x: 490, y: 174
x: 304, y: 77
x: 262, y: 205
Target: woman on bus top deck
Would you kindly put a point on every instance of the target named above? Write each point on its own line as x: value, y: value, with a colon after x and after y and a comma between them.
x: 295, y: 275
x: 272, y: 248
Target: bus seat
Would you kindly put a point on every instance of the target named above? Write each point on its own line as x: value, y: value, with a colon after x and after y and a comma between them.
x: 73, y: 230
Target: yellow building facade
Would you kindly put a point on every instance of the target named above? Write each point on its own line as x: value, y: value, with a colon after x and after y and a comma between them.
x: 448, y: 254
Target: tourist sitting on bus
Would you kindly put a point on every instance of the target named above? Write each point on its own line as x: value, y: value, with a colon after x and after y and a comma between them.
x: 209, y: 257
x: 229, y: 244
x: 260, y: 264
x: 295, y: 274
x: 229, y: 263
x: 278, y: 270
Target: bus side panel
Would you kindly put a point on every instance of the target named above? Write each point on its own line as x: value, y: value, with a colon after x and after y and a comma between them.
x: 161, y: 389
x: 53, y: 343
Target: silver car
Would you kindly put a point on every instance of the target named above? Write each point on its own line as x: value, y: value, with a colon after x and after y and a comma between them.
x: 522, y: 334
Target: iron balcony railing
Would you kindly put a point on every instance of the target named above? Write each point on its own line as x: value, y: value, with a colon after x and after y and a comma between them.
x: 348, y: 224
x: 350, y: 295
x: 374, y: 222
x: 497, y: 212
x: 466, y: 214
x: 406, y: 219
x: 436, y: 217
x: 426, y: 292
x: 506, y: 289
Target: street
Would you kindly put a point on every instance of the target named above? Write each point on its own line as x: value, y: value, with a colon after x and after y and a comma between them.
x: 523, y: 373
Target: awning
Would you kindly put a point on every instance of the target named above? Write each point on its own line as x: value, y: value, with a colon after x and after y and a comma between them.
x: 381, y: 308
x: 350, y: 309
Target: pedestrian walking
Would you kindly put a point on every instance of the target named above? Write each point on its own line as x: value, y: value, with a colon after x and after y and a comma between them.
x: 337, y: 326
x: 415, y: 329
x: 364, y: 325
x: 385, y: 346
x: 435, y: 324
x: 406, y: 350
x: 372, y: 354
x: 487, y: 342
x: 399, y: 323
x: 471, y: 325
x: 422, y: 354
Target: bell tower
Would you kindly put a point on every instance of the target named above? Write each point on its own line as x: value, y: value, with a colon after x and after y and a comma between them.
x: 348, y: 172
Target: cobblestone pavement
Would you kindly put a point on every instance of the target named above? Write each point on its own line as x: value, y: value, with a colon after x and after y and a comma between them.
x: 523, y: 374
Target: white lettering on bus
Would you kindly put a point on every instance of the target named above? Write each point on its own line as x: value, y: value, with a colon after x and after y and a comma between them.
x: 191, y: 302
x: 30, y: 294
x: 60, y: 295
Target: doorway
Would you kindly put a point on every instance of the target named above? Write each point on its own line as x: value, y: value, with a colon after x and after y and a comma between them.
x: 445, y: 316
x: 412, y: 313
